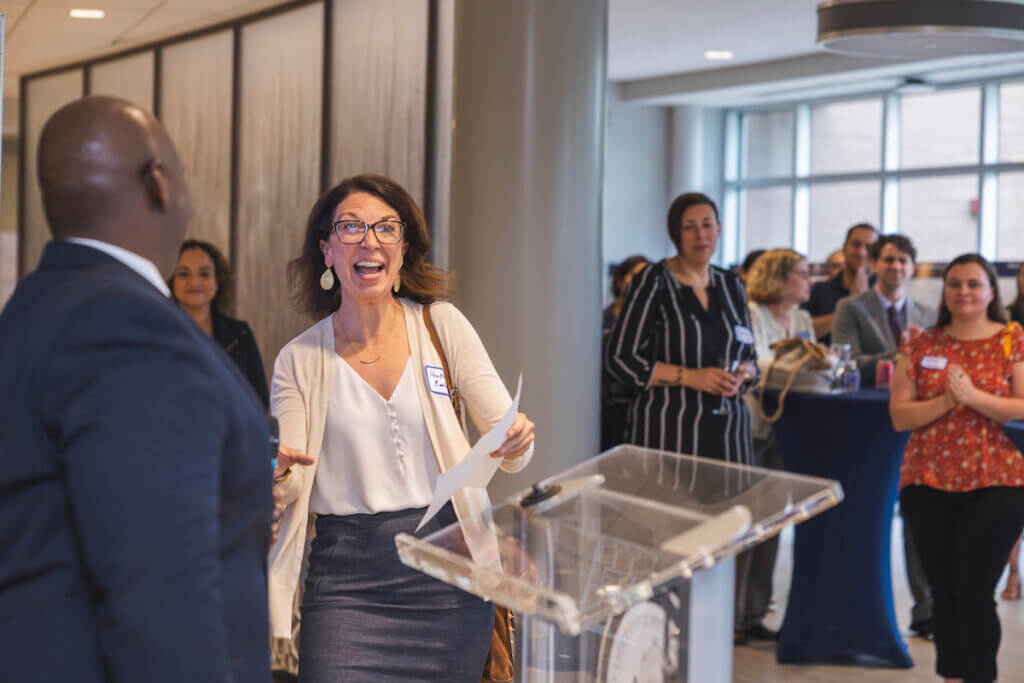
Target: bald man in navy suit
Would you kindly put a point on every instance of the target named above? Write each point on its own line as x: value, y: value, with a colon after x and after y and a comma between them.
x: 135, y: 477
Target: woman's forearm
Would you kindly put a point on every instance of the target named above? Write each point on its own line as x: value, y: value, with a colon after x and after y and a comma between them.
x: 668, y: 375
x: 909, y: 415
x: 998, y: 408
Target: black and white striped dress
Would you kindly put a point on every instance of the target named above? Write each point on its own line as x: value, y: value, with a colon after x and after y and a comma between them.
x: 662, y: 320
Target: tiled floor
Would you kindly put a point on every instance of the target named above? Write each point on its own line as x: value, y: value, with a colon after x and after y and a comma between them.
x: 756, y: 663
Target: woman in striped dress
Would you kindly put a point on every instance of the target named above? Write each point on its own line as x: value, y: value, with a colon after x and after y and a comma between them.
x: 683, y: 342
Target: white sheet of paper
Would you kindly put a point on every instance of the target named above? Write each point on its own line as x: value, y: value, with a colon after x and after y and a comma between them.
x: 477, y: 468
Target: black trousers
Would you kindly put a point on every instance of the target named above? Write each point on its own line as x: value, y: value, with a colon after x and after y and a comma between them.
x: 964, y: 540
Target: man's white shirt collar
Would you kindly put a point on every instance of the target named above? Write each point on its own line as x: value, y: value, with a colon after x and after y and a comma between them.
x: 142, y: 266
x: 887, y: 304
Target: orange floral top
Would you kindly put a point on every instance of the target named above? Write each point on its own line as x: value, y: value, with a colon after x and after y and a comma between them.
x: 963, y: 450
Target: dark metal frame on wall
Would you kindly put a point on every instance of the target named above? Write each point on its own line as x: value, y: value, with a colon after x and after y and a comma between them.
x: 235, y: 26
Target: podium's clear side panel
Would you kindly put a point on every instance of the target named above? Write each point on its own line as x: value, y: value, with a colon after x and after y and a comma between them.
x: 624, y: 569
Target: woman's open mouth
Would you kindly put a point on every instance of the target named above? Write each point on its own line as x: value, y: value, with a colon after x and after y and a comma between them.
x: 368, y: 269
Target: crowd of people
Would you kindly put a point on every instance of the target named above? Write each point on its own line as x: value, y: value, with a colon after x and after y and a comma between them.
x: 142, y: 535
x: 682, y: 339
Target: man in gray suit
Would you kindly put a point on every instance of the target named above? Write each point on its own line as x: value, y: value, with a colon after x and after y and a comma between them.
x: 875, y: 324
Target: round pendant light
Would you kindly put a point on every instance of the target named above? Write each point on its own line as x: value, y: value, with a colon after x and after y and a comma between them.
x: 920, y: 29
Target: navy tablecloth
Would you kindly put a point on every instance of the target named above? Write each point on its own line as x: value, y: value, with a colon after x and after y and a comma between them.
x: 840, y: 602
x: 1015, y: 430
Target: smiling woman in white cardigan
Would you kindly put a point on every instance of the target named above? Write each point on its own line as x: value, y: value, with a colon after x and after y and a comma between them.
x: 363, y: 393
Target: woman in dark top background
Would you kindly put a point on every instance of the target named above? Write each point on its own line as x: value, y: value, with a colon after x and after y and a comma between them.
x: 684, y: 325
x: 615, y: 398
x: 203, y: 286
x: 1012, y: 590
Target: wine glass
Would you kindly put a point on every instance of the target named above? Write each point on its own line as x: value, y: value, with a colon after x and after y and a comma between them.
x: 730, y: 366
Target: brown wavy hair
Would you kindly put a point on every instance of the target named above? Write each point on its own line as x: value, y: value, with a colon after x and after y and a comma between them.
x: 421, y: 281
x: 768, y: 275
x: 224, y: 299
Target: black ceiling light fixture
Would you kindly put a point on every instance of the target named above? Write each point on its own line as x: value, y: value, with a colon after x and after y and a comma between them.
x: 920, y: 29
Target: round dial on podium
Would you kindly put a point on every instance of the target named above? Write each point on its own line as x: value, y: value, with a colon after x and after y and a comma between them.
x: 638, y: 647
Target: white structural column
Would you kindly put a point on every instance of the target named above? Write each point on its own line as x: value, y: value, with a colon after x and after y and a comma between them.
x: 529, y: 96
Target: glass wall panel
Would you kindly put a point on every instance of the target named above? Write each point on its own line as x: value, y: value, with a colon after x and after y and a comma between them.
x: 279, y: 165
x: 1010, y: 237
x: 130, y: 78
x: 767, y: 218
x: 196, y: 109
x: 378, y: 105
x: 837, y: 206
x: 846, y: 137
x: 940, y: 128
x: 1011, y: 122
x: 43, y: 97
x: 767, y: 144
x: 939, y: 215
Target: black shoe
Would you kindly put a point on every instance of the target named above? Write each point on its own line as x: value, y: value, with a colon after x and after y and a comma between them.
x: 923, y: 629
x: 739, y: 638
x: 760, y: 632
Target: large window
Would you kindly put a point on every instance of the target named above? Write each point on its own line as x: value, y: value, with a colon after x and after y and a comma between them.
x: 944, y: 167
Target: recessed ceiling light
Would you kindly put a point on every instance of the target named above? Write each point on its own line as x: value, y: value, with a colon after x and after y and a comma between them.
x: 717, y: 54
x: 87, y: 14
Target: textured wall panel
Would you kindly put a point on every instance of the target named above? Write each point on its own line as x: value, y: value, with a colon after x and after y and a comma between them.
x: 43, y: 97
x: 378, y: 103
x: 196, y: 109
x: 279, y: 166
x: 130, y: 78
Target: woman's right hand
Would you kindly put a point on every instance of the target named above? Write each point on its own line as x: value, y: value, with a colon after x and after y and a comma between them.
x: 288, y: 457
x: 712, y: 381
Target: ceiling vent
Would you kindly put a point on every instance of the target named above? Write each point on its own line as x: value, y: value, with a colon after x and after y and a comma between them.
x: 920, y: 29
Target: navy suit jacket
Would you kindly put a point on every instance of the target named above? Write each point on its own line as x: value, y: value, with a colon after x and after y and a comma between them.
x: 135, y: 487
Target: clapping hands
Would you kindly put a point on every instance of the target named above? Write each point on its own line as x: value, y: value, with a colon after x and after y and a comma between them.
x: 960, y: 386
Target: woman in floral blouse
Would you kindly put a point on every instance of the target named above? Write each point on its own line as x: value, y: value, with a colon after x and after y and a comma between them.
x: 962, y: 480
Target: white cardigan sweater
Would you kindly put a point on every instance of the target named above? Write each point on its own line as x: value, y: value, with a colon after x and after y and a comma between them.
x: 299, y: 393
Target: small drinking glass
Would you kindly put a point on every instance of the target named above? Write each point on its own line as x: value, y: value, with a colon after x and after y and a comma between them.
x: 732, y: 367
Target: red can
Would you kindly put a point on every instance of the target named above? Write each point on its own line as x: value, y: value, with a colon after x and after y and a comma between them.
x: 883, y: 374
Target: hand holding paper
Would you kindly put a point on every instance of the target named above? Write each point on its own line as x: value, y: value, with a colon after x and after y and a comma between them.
x: 477, y: 468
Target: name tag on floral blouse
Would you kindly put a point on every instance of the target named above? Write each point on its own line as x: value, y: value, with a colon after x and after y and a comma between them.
x: 934, y: 362
x: 743, y: 334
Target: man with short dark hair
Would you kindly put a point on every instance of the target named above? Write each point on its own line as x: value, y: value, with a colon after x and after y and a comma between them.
x: 854, y: 278
x: 135, y: 477
x: 875, y: 324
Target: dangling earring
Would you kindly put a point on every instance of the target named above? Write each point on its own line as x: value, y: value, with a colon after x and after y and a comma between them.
x: 398, y: 283
x: 327, y: 280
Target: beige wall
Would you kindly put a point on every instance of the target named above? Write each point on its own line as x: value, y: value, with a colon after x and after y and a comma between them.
x: 378, y: 106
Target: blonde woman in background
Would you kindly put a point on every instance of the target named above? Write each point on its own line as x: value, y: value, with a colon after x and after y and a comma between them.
x: 779, y: 281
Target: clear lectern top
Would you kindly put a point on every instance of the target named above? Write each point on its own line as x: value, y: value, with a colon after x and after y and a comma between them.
x: 609, y: 533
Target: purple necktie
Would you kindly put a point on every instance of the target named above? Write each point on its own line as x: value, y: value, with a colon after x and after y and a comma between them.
x: 895, y: 324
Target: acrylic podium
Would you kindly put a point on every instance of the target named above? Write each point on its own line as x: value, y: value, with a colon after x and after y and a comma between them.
x: 621, y: 569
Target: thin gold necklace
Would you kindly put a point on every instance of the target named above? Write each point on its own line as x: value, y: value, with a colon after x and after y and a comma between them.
x: 346, y: 339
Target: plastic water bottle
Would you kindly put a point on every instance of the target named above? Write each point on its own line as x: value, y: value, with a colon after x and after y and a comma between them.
x: 847, y: 374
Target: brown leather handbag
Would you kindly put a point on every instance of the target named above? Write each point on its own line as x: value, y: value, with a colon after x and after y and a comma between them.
x: 500, y: 664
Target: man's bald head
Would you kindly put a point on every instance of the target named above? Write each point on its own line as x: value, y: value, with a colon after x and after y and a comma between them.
x: 108, y: 170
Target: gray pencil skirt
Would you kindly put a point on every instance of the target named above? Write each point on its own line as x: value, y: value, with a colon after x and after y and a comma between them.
x: 367, y: 617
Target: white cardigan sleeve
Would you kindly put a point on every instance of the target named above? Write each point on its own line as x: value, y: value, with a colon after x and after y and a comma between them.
x: 481, y: 389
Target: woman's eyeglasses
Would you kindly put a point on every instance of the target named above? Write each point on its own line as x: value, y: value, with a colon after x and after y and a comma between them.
x: 351, y: 231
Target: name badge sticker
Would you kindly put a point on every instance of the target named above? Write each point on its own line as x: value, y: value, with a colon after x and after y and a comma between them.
x: 743, y: 334
x: 934, y: 362
x: 435, y: 380
x: 804, y: 334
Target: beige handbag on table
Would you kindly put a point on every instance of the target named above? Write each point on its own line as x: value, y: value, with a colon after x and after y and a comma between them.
x: 799, y: 364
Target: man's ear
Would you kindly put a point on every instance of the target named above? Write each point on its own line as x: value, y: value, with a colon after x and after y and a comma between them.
x: 158, y: 188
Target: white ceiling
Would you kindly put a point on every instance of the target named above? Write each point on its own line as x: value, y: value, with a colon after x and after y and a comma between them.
x: 658, y: 37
